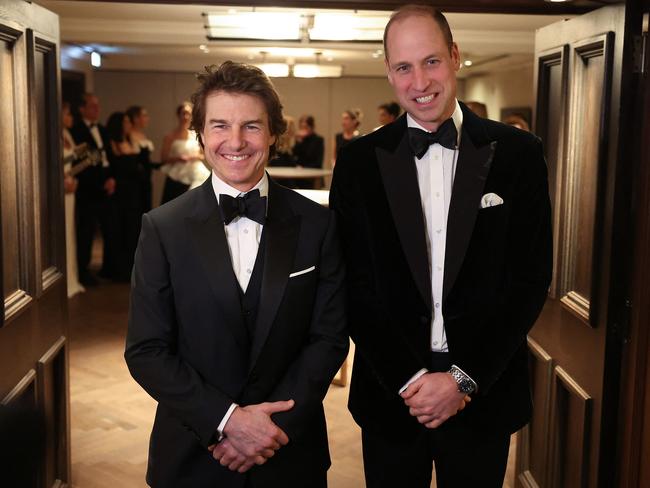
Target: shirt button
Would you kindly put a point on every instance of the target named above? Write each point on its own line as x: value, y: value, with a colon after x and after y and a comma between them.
x: 435, y: 343
x: 436, y: 158
x: 439, y: 231
x: 437, y: 305
x: 439, y: 268
x: 438, y: 194
x: 249, y: 272
x: 245, y: 231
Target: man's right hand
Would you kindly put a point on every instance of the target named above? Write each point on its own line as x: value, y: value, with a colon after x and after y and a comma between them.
x: 251, y: 431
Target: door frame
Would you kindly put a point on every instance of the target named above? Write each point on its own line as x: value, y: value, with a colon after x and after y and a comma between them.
x: 633, y: 442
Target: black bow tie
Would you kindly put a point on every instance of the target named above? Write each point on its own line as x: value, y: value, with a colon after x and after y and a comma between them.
x: 251, y: 205
x: 420, y: 140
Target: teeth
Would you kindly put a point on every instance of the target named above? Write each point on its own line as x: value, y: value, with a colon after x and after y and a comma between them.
x: 424, y: 99
x: 233, y: 157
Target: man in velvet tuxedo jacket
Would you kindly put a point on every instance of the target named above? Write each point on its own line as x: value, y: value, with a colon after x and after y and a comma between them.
x: 237, y: 321
x: 95, y: 187
x: 445, y: 224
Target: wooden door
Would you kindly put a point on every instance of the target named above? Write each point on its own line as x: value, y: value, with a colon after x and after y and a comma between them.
x: 33, y: 347
x: 577, y: 80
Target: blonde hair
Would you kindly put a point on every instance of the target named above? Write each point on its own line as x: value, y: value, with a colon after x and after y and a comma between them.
x: 287, y: 139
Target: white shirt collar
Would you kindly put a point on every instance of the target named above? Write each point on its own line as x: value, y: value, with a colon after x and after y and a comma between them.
x: 457, y: 117
x: 219, y: 186
x: 89, y: 123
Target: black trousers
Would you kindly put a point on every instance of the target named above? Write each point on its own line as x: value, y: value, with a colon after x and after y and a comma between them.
x: 467, y: 462
x: 88, y: 214
x: 470, y: 459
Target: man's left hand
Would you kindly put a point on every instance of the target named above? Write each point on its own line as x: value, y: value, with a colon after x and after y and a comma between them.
x: 228, y: 456
x: 433, y: 398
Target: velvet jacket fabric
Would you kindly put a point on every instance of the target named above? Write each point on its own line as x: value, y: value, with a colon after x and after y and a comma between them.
x: 496, y: 273
x: 188, y: 345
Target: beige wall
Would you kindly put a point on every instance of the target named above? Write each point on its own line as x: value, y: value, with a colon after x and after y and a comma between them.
x: 513, y: 88
x: 161, y: 92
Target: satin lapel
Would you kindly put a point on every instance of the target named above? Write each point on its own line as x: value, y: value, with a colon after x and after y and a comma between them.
x: 399, y: 175
x: 472, y: 169
x: 281, y: 233
x: 206, y: 231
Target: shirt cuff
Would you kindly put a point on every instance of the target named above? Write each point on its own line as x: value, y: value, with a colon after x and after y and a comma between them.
x: 224, y: 421
x: 413, y: 378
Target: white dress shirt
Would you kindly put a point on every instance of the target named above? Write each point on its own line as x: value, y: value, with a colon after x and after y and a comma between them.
x: 436, y: 171
x: 243, y: 236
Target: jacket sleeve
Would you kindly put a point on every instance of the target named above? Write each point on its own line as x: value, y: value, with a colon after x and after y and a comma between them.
x: 151, y: 344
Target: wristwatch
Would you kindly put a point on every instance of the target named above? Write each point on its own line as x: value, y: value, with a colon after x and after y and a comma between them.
x: 466, y: 384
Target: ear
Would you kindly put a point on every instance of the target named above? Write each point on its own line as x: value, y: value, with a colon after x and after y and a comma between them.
x: 455, y: 56
x: 273, y: 139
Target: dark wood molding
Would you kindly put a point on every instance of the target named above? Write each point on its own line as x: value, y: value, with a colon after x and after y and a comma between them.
x: 27, y: 381
x: 633, y: 299
x: 469, y: 6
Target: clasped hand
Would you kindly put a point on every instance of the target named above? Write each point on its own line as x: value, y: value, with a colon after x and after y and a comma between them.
x: 433, y: 398
x: 251, y: 436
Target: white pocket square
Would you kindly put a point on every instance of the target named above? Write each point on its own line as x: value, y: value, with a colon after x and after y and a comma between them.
x: 491, y: 200
x: 303, y: 271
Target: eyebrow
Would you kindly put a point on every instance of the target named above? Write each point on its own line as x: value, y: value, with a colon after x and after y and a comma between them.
x: 402, y: 63
x: 224, y: 121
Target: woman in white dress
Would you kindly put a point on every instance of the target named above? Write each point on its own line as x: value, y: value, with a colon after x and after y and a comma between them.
x: 181, y: 157
x: 70, y: 185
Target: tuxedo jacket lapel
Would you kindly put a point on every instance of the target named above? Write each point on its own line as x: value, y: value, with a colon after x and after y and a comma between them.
x: 206, y: 231
x: 472, y: 168
x: 399, y: 176
x: 281, y: 233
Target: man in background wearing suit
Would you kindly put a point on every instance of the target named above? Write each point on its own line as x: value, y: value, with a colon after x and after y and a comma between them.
x: 95, y: 187
x: 445, y: 223
x: 237, y: 321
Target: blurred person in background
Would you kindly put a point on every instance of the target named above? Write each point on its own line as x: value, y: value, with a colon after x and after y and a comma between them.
x: 139, y: 118
x: 128, y: 166
x: 518, y: 121
x: 350, y: 122
x: 181, y: 157
x: 284, y: 155
x: 387, y: 113
x: 71, y: 155
x: 310, y: 147
x: 95, y: 187
x: 479, y: 108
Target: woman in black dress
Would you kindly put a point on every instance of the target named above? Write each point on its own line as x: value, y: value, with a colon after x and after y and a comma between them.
x: 129, y: 168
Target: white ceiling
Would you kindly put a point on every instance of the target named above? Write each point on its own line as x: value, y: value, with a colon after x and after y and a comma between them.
x: 167, y: 38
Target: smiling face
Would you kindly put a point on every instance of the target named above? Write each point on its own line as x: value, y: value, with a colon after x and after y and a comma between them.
x: 237, y: 138
x: 422, y: 70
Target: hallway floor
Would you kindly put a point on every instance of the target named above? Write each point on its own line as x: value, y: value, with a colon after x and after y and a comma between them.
x: 112, y: 416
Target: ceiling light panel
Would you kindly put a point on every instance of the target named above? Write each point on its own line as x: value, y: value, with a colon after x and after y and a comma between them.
x: 254, y: 25
x: 348, y: 27
x: 317, y: 71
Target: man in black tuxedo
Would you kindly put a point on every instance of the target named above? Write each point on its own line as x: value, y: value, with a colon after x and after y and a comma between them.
x: 237, y: 321
x: 443, y: 285
x: 94, y: 190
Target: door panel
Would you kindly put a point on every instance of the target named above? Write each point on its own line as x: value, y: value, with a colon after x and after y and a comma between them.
x: 33, y: 345
x: 577, y: 95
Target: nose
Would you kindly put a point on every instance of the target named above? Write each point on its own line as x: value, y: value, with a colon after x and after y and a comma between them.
x: 237, y: 140
x: 420, y: 81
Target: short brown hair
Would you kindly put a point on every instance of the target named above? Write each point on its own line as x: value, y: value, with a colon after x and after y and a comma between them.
x: 231, y: 77
x: 412, y: 10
